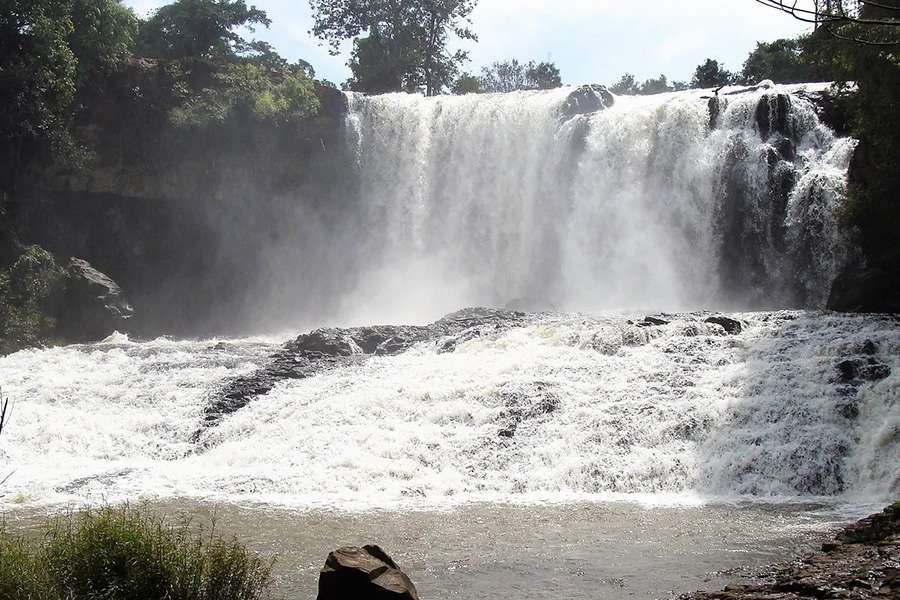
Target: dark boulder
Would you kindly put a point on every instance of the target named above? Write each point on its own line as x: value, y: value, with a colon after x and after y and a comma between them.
x: 366, y: 573
x: 731, y: 326
x: 772, y: 115
x: 94, y: 304
x: 865, y: 290
x: 587, y: 99
x: 854, y: 370
x: 652, y: 322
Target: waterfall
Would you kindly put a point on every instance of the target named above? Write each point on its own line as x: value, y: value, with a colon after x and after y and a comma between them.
x: 654, y: 202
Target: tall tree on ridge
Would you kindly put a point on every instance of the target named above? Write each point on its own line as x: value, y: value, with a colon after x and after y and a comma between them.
x: 405, y: 42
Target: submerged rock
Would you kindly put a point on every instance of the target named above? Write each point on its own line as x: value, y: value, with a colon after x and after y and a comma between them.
x: 587, y: 99
x: 94, y: 306
x: 366, y: 573
x: 731, y: 326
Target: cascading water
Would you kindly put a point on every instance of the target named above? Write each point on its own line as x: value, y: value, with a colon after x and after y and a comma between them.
x: 499, y: 199
x: 677, y: 201
x: 560, y: 407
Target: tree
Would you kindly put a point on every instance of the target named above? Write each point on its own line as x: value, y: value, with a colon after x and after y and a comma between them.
x: 542, y: 76
x: 467, y: 84
x: 781, y: 61
x: 655, y: 86
x: 503, y: 77
x: 405, y: 42
x: 103, y: 36
x: 200, y: 29
x: 711, y: 75
x: 869, y: 22
x: 511, y: 75
x: 625, y: 86
x: 37, y: 81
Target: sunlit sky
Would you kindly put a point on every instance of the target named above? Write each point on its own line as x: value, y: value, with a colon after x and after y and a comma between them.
x: 590, y: 40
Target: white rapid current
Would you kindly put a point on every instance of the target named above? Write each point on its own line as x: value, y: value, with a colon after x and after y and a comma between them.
x: 564, y: 408
x: 498, y: 199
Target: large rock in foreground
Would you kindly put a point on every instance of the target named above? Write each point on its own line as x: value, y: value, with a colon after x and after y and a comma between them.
x: 94, y: 305
x: 366, y: 573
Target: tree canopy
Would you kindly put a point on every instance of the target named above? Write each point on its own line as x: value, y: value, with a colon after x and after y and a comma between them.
x: 399, y: 45
x: 511, y: 75
x: 199, y: 28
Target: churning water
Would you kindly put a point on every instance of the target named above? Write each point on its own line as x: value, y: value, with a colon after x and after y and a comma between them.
x: 563, y: 408
x: 650, y: 203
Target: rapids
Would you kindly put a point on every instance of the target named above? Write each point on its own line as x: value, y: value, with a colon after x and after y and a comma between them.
x: 563, y: 408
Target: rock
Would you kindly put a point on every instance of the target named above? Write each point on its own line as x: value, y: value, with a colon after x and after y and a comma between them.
x: 772, y: 115
x: 865, y: 290
x: 855, y: 370
x: 587, y: 99
x: 860, y: 563
x: 366, y: 573
x: 731, y: 326
x: 324, y: 349
x: 651, y: 322
x: 94, y: 304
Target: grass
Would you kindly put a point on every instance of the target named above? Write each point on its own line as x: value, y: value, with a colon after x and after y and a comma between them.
x: 123, y: 554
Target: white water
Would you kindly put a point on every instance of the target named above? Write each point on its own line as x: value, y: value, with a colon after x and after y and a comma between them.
x: 492, y: 199
x: 675, y: 414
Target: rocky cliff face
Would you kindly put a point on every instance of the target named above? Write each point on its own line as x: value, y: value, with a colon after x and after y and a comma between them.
x: 186, y: 228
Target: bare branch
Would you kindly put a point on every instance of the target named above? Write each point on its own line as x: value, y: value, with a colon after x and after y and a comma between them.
x: 835, y: 21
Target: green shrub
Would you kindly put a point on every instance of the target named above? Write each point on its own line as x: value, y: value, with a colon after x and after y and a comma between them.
x: 122, y: 554
x: 28, y: 290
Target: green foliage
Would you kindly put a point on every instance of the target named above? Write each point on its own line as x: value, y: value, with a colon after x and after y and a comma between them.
x: 37, y: 80
x: 199, y: 29
x: 120, y: 554
x: 467, y: 84
x: 28, y: 290
x: 711, y: 75
x: 511, y: 75
x: 628, y: 85
x: 782, y: 61
x: 655, y: 86
x: 542, y: 76
x: 400, y: 45
x: 625, y: 86
x: 102, y: 38
x: 247, y: 89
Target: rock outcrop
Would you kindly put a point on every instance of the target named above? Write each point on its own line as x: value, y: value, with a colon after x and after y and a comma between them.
x: 366, y: 573
x: 731, y: 326
x: 324, y: 349
x: 94, y: 304
x: 862, y: 563
x: 587, y: 99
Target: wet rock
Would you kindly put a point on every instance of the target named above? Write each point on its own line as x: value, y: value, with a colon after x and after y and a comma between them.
x: 94, y: 306
x: 868, y: 290
x: 860, y: 563
x: 772, y: 115
x: 324, y: 349
x: 857, y: 370
x: 533, y: 402
x: 731, y: 326
x: 366, y: 573
x: 652, y: 321
x: 587, y: 99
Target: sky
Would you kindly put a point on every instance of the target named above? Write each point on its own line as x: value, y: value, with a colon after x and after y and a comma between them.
x: 591, y: 41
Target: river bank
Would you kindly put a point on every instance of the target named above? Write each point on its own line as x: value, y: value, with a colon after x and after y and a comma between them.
x: 863, y: 561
